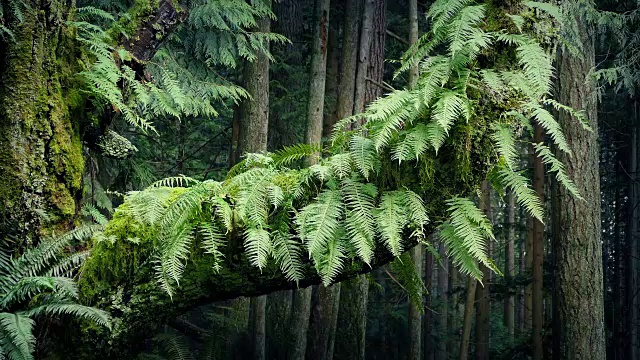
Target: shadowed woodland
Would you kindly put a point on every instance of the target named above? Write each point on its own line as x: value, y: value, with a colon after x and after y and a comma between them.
x: 317, y: 179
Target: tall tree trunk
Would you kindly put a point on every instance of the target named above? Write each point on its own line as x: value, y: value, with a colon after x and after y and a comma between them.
x: 509, y: 264
x: 538, y: 249
x: 415, y: 318
x: 278, y: 317
x: 254, y: 127
x: 257, y: 323
x: 254, y: 123
x: 349, y: 59
x: 366, y: 35
x: 443, y: 300
x: 333, y: 69
x: 315, y: 106
x: 482, y: 292
x: 454, y: 313
x: 468, y: 319
x: 528, y: 270
x: 632, y: 247
x: 41, y: 160
x: 352, y: 319
x: 578, y: 271
x: 427, y: 319
x: 522, y: 235
x: 299, y: 325
x: 323, y: 322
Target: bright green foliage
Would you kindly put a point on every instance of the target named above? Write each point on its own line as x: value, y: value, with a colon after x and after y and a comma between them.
x: 352, y: 202
x: 36, y: 284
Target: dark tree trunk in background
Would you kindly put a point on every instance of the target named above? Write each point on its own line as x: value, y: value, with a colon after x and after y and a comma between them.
x: 415, y: 317
x: 257, y: 324
x: 333, y: 69
x: 349, y: 59
x: 632, y: 245
x: 509, y: 264
x: 468, y: 319
x: 299, y: 324
x: 375, y: 65
x: 352, y: 319
x: 578, y: 269
x: 315, y: 105
x: 538, y: 249
x: 278, y: 314
x: 482, y: 291
x: 427, y: 319
x: 443, y: 308
x: 366, y: 36
x: 323, y: 322
x: 254, y: 119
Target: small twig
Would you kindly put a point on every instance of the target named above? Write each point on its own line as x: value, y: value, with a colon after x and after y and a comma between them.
x: 380, y: 85
x: 397, y: 37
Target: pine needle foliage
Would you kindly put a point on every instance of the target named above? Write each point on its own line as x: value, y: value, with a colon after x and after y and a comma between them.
x: 341, y: 209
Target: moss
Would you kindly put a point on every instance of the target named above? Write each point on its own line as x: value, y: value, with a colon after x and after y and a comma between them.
x: 136, y: 15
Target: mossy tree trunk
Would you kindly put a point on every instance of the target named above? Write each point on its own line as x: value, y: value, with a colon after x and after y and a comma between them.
x: 41, y: 159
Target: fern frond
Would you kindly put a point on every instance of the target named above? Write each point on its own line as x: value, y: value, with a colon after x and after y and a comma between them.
x: 258, y: 246
x: 364, y: 155
x: 556, y: 166
x: 525, y: 195
x: 503, y: 138
x: 97, y: 316
x: 359, y: 221
x: 18, y: 336
x: 319, y: 221
x: 391, y: 220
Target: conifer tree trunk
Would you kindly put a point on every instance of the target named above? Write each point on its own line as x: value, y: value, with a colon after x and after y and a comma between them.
x: 257, y: 317
x: 315, y: 106
x: 333, y: 68
x: 482, y: 292
x: 468, y: 319
x: 427, y: 319
x: 528, y: 269
x: 349, y: 59
x: 254, y: 119
x: 537, y: 248
x: 366, y: 35
x: 454, y: 314
x: 322, y: 327
x: 509, y: 264
x: 443, y: 301
x: 415, y: 318
x: 352, y: 319
x: 632, y: 239
x: 278, y: 317
x: 299, y: 325
x: 578, y: 256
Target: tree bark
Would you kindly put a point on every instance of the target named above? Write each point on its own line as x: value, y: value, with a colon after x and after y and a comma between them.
x: 299, y: 325
x: 352, y: 319
x: 427, y: 319
x: 257, y: 321
x: 632, y: 239
x: 254, y: 124
x: 278, y: 316
x: 538, y: 251
x: 349, y: 60
x: 323, y: 322
x: 415, y: 317
x: 443, y: 300
x: 315, y: 106
x: 578, y: 270
x: 468, y: 319
x: 482, y: 292
x: 509, y: 264
x: 366, y: 35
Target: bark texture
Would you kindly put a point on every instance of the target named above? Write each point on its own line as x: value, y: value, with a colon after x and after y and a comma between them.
x: 349, y: 59
x: 315, y: 107
x: 323, y: 322
x: 467, y: 320
x: 537, y: 256
x: 299, y: 324
x: 509, y: 267
x: 483, y: 309
x: 578, y: 268
x: 257, y: 321
x: 352, y: 319
x: 41, y: 159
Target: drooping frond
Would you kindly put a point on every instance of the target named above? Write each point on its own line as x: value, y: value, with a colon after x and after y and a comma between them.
x: 364, y: 155
x: 503, y: 137
x: 16, y: 335
x: 525, y: 195
x: 360, y: 220
x: 556, y: 166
